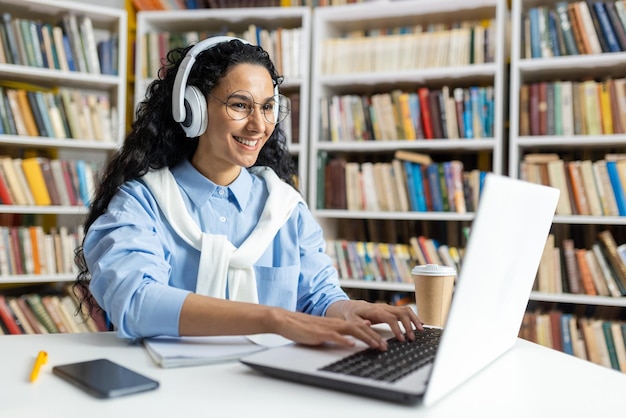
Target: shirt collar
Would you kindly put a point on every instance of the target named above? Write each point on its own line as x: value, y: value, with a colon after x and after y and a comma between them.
x: 200, y: 189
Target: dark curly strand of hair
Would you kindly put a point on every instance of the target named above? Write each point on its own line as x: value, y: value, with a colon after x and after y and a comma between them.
x: 156, y: 140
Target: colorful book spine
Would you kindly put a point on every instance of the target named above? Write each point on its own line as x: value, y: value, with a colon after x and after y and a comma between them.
x: 618, y: 188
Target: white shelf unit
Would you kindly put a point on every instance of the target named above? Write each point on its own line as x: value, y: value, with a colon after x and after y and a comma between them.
x: 106, y: 21
x: 563, y: 68
x: 336, y: 22
x: 238, y: 20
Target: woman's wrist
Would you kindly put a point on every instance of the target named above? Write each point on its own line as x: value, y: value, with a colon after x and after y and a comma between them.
x: 338, y: 309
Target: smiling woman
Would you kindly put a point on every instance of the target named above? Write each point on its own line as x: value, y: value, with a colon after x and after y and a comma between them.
x: 197, y: 228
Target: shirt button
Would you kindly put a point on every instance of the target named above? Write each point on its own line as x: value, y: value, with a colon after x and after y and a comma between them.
x: 222, y: 218
x: 221, y: 192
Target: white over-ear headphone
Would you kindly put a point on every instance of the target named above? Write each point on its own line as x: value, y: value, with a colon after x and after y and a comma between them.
x: 189, y: 106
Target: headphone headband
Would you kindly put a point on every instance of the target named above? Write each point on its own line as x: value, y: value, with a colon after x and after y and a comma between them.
x: 180, y: 82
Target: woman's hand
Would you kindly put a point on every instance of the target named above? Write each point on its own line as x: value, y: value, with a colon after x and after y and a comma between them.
x: 315, y: 330
x: 378, y: 313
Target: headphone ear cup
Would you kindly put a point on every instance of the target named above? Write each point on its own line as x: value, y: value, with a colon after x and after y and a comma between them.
x: 195, y: 122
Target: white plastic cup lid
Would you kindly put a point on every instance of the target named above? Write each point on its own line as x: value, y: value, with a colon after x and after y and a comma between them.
x: 434, y: 270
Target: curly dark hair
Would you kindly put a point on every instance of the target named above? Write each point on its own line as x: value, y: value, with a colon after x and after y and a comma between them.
x: 156, y: 140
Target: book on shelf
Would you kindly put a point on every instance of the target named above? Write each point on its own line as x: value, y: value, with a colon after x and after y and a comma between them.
x: 54, y: 314
x: 610, y: 344
x: 556, y: 337
x: 436, y: 113
x: 620, y: 346
x: 558, y: 179
x: 608, y: 273
x: 36, y: 182
x: 48, y: 49
x: 605, y: 188
x: 9, y: 171
x: 35, y: 324
x: 412, y: 156
x: 34, y: 235
x: 614, y: 104
x: 62, y: 48
x: 614, y: 261
x: 595, y: 271
x: 369, y: 186
x: 586, y: 279
x: 6, y: 195
x: 443, y: 185
x: 35, y: 302
x: 571, y: 266
x: 566, y: 334
x: 6, y: 114
x: 10, y: 321
x: 414, y: 182
x: 616, y: 183
x: 26, y: 113
x: 579, y: 193
x: 48, y: 176
x: 617, y: 24
x: 589, y: 185
x: 400, y: 185
x: 599, y: 341
x: 9, y: 39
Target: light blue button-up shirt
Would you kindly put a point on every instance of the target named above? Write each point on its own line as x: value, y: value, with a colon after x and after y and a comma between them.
x: 141, y: 270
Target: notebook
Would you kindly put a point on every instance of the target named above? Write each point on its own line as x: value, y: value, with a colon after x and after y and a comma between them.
x: 502, y: 257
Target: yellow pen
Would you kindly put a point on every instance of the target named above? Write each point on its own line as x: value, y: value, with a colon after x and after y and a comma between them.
x: 42, y: 358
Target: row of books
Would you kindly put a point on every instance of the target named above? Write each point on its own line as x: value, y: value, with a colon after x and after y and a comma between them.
x: 599, y: 341
x: 409, y: 115
x: 573, y: 108
x: 147, y: 5
x: 577, y: 28
x: 595, y: 188
x: 30, y: 250
x: 371, y: 261
x: 67, y: 45
x: 410, y: 48
x: 400, y: 185
x: 56, y: 312
x: 385, y: 262
x: 282, y: 45
x: 40, y: 181
x: 64, y: 113
x: 142, y: 5
x: 599, y: 270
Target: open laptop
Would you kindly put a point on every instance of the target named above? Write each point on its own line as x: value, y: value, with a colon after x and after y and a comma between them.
x: 502, y: 257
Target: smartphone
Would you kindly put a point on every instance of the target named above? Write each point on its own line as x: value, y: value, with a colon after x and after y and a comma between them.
x: 103, y: 378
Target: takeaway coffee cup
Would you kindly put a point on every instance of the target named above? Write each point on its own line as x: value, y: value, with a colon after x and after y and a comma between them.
x: 434, y: 285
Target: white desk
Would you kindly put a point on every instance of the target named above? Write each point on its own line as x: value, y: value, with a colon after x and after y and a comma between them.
x: 529, y: 381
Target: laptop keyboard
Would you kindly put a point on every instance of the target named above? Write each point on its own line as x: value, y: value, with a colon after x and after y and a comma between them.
x: 400, y: 359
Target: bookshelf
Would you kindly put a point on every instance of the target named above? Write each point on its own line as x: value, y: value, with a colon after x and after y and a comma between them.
x: 356, y: 54
x: 560, y: 123
x: 97, y: 88
x: 288, y: 27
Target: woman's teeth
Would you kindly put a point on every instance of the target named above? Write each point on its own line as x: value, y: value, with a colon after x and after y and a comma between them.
x: 247, y: 142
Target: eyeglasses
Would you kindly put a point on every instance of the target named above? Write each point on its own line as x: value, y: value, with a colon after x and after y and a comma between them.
x: 241, y: 104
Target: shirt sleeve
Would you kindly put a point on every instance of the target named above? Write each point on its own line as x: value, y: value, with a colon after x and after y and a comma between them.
x: 319, y: 283
x: 129, y: 268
